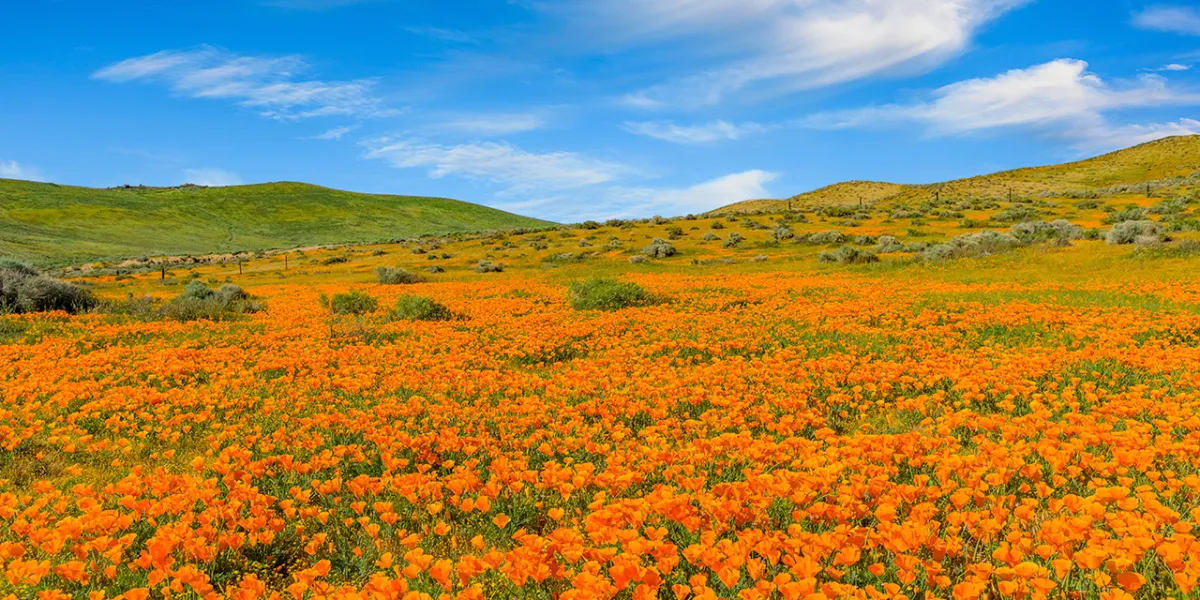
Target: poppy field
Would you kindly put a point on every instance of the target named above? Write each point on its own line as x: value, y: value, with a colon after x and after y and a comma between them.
x: 1023, y: 425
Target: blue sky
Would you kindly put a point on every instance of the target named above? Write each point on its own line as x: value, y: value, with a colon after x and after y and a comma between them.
x: 573, y: 109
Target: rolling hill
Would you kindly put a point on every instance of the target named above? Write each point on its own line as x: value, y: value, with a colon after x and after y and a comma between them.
x: 44, y: 223
x: 1161, y: 159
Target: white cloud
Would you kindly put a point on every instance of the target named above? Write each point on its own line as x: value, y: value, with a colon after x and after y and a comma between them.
x: 787, y: 45
x: 1172, y: 19
x: 499, y: 163
x: 271, y: 85
x: 1060, y: 97
x: 703, y: 197
x: 706, y: 133
x: 493, y: 125
x: 1175, y: 67
x: 12, y: 169
x: 336, y: 133
x: 211, y: 177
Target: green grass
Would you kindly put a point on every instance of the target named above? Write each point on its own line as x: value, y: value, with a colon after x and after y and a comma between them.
x: 49, y: 224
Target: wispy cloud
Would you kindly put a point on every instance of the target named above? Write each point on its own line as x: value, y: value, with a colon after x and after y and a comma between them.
x: 1171, y: 19
x: 706, y: 133
x: 500, y: 163
x: 336, y: 133
x: 786, y: 45
x: 274, y: 86
x: 703, y: 197
x: 211, y: 177
x: 1060, y: 97
x: 492, y: 125
x: 445, y: 35
x: 11, y: 169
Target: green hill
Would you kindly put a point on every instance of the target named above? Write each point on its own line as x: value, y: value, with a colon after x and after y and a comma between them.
x: 1157, y: 160
x: 46, y: 224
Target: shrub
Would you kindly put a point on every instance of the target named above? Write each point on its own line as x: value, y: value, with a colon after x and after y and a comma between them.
x: 864, y: 240
x: 197, y: 301
x: 584, y: 243
x: 397, y: 276
x: 487, y: 266
x: 711, y: 237
x: 336, y: 260
x: 420, y: 308
x: 1087, y: 205
x: 827, y: 238
x: 847, y: 255
x: 1132, y: 213
x: 22, y: 289
x: 353, y: 302
x: 887, y: 244
x: 733, y: 240
x: 783, y: 233
x: 1032, y: 231
x: 718, y: 225
x: 1016, y: 214
x: 674, y: 233
x: 608, y: 294
x: 1141, y: 232
x: 970, y: 245
x: 659, y: 248
x: 436, y: 269
x: 1184, y: 249
x: 638, y: 259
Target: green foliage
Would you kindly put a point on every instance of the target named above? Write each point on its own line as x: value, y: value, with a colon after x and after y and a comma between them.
x: 733, y: 240
x: 487, y: 266
x: 972, y: 245
x: 847, y: 255
x: 353, y: 302
x: 1140, y: 232
x: 51, y: 224
x: 420, y: 308
x: 608, y: 294
x: 24, y: 290
x: 659, y: 248
x: 397, y: 276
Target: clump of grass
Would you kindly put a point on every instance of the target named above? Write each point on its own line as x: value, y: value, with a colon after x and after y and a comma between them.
x: 1139, y: 232
x: 659, y: 248
x: 972, y: 245
x: 420, y: 308
x: 353, y: 302
x: 397, y: 276
x: 848, y: 255
x: 24, y: 290
x: 609, y: 294
x: 487, y: 266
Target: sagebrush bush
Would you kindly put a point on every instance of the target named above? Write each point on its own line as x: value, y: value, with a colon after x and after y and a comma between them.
x: 1141, y: 232
x: 608, y: 294
x: 1035, y: 231
x: 487, y: 266
x: 353, y: 302
x: 783, y: 233
x: 638, y: 259
x: 711, y: 237
x: 1132, y: 213
x: 832, y: 237
x: 971, y: 245
x: 420, y: 308
x: 733, y: 240
x: 197, y: 301
x: 659, y: 248
x: 847, y: 255
x: 887, y: 244
x: 397, y: 276
x: 23, y: 289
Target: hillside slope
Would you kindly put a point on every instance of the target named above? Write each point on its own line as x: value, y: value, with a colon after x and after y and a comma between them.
x: 52, y: 224
x: 1160, y: 159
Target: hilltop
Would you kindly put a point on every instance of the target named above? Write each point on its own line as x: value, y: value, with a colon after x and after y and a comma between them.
x: 1149, y: 162
x: 46, y: 223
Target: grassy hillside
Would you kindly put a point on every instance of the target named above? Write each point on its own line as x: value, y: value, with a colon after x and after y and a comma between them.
x: 47, y: 224
x: 1161, y: 159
